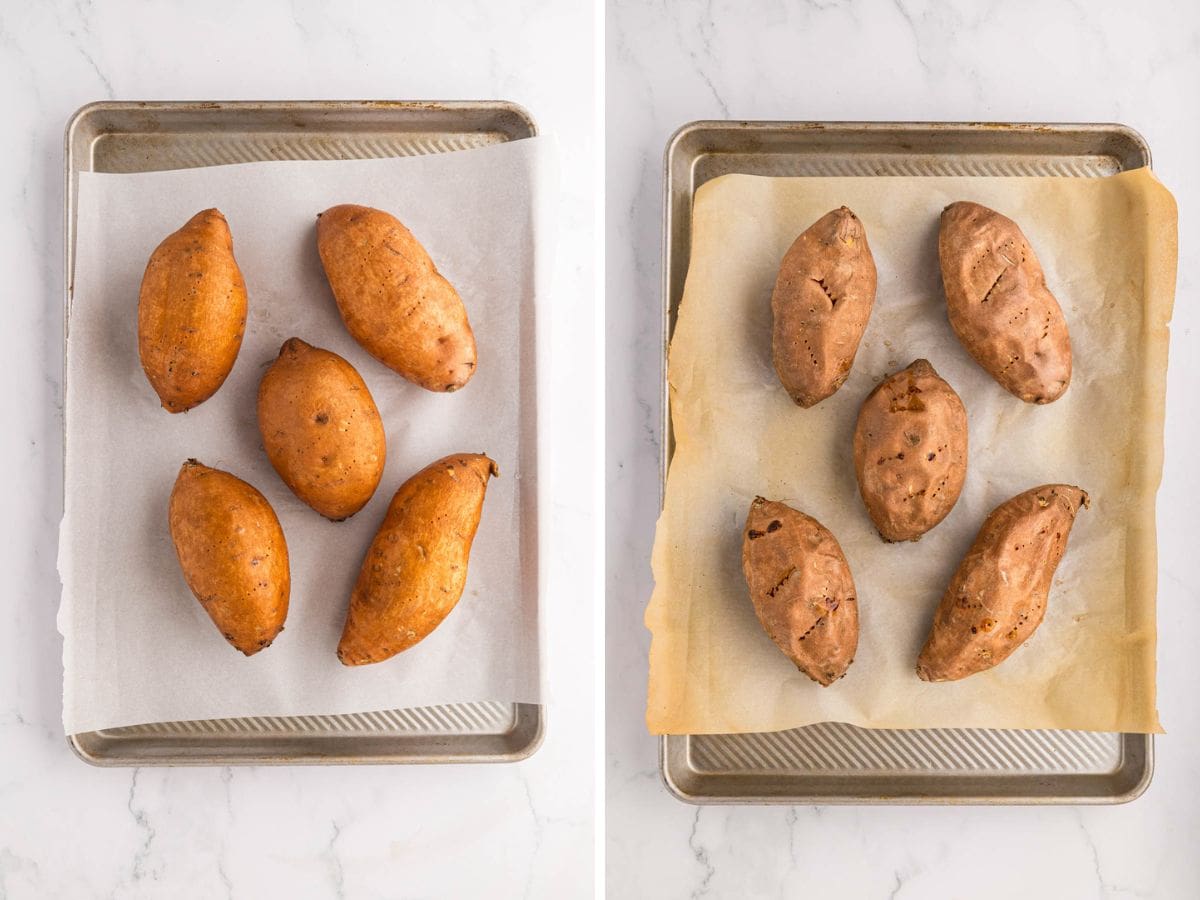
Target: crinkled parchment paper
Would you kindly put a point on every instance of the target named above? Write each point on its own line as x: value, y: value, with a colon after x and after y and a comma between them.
x: 1109, y: 250
x: 137, y: 646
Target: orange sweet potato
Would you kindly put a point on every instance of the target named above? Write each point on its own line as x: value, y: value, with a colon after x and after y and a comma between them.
x: 393, y: 299
x: 416, y: 567
x: 191, y: 312
x: 321, y: 429
x: 233, y: 554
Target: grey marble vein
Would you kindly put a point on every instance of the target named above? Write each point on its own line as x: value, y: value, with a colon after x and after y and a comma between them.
x: 701, y: 856
x: 142, y: 821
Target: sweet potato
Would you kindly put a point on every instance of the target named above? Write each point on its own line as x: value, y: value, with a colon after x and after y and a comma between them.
x: 233, y: 554
x: 998, y: 596
x: 910, y: 452
x: 999, y: 305
x: 416, y: 567
x: 321, y: 429
x: 821, y: 303
x: 392, y: 298
x: 801, y: 588
x: 191, y: 312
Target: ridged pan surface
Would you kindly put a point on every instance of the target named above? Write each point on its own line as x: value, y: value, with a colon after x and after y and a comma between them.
x: 835, y: 762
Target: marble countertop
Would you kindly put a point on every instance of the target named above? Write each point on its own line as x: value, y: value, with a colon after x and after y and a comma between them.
x: 1054, y: 62
x: 69, y: 830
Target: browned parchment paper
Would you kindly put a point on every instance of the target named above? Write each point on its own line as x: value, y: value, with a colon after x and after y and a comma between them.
x: 1109, y: 250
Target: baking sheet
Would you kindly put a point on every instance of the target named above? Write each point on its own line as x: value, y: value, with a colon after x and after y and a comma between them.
x: 712, y: 668
x: 137, y: 647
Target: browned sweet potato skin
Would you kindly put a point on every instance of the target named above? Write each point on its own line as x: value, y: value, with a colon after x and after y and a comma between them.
x: 321, y: 429
x: 393, y: 299
x: 910, y: 452
x: 998, y: 596
x: 191, y: 312
x: 416, y: 567
x: 801, y: 587
x: 999, y: 305
x: 233, y: 554
x: 821, y: 303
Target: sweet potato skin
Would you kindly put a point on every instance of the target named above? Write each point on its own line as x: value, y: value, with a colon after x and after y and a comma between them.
x: 910, y: 452
x: 416, y: 567
x: 233, y: 554
x: 392, y: 298
x: 191, y: 312
x: 321, y: 429
x: 801, y: 588
x: 997, y: 597
x: 999, y: 305
x: 821, y: 303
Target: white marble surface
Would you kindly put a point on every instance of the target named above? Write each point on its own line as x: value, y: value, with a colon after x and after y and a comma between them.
x: 1053, y: 61
x: 68, y: 830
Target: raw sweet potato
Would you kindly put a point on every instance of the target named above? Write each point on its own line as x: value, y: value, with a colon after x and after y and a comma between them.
x: 321, y: 429
x: 191, y: 312
x: 801, y: 588
x: 998, y: 596
x: 416, y: 567
x: 393, y: 299
x: 233, y: 554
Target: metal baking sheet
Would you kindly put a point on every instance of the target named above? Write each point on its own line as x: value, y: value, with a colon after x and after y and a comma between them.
x: 146, y: 137
x: 834, y: 762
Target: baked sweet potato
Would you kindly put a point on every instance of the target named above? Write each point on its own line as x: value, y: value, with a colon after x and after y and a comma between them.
x: 392, y: 298
x: 821, y: 303
x: 233, y: 554
x: 910, y: 452
x: 321, y: 429
x: 801, y: 588
x: 191, y: 312
x: 999, y: 305
x: 416, y: 567
x: 998, y: 596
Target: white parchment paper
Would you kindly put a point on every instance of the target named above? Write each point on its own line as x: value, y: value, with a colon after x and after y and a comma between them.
x: 1108, y: 246
x: 137, y: 646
